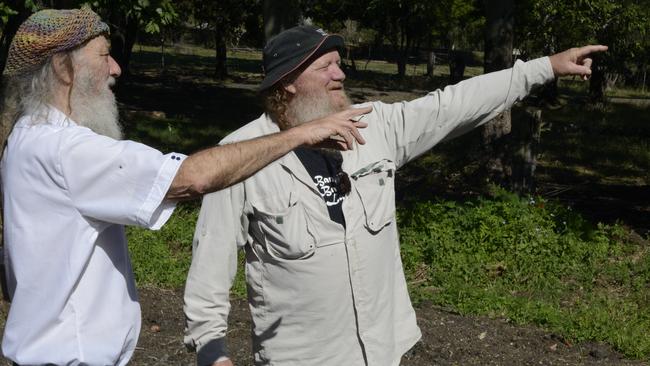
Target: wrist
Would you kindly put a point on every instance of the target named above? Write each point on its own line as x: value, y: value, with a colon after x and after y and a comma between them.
x: 295, y: 137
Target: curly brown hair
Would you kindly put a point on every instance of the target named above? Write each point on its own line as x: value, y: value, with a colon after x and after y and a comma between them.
x: 276, y: 101
x: 277, y: 98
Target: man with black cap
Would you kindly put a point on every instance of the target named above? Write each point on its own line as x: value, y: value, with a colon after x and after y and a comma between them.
x: 323, y: 269
x: 70, y: 184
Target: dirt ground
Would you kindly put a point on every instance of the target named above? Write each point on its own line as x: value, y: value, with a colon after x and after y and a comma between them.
x: 447, y: 339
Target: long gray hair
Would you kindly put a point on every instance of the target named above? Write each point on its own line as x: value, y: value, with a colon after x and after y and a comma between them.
x: 26, y: 94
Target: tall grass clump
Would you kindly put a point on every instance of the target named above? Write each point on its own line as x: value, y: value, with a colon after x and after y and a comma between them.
x: 531, y: 261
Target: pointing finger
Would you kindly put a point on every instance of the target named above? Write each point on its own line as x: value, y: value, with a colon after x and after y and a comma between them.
x: 584, y: 51
x: 354, y: 112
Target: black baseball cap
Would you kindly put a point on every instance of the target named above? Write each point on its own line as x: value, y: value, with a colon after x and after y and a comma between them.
x: 290, y: 49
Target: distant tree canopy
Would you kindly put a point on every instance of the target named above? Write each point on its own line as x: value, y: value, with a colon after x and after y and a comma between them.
x: 401, y: 31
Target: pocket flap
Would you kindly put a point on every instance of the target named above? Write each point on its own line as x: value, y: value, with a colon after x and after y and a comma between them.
x: 375, y: 185
x: 287, y: 234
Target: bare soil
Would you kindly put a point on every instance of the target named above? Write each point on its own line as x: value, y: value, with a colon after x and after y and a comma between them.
x: 447, y: 339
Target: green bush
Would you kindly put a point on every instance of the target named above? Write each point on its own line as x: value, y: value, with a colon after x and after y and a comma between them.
x: 531, y: 261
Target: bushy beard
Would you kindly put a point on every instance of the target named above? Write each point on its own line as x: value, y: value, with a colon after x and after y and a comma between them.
x: 310, y: 105
x: 93, y: 104
x: 306, y: 106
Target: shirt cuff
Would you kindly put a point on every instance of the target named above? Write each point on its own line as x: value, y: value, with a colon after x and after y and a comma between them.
x: 544, y: 68
x: 211, y: 352
x: 156, y: 210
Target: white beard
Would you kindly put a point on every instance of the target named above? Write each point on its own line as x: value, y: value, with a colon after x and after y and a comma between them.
x: 92, y: 108
x: 310, y: 105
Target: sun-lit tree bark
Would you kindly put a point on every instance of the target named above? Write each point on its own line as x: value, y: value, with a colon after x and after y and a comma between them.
x: 498, y: 55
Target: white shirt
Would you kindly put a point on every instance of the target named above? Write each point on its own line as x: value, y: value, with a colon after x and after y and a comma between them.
x: 320, y: 293
x: 67, y: 192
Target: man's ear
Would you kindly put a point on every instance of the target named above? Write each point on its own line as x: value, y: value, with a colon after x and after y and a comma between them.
x: 63, y: 70
x: 290, y: 88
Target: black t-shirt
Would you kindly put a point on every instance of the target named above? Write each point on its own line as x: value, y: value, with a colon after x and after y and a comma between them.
x: 324, y: 169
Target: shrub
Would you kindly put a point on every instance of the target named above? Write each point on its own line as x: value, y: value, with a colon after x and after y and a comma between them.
x: 531, y: 261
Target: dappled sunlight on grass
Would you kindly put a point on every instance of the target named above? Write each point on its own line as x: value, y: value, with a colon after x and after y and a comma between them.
x: 611, y: 143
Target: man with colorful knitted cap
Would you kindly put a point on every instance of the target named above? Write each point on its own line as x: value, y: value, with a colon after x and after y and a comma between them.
x: 323, y: 269
x: 70, y: 184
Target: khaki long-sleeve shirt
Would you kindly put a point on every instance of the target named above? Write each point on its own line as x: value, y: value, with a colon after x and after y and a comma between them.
x: 319, y: 293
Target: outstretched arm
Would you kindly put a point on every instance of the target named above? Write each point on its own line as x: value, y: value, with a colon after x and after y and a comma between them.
x: 412, y: 128
x: 222, y: 166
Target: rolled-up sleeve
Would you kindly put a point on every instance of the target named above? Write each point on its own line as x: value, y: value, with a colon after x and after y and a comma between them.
x: 121, y: 182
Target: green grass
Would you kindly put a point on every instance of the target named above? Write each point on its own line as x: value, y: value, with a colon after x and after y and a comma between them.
x: 610, y: 145
x: 162, y: 258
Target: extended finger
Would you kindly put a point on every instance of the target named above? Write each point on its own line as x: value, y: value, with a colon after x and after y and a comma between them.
x: 359, y: 124
x: 587, y: 64
x: 355, y: 112
x: 357, y: 135
x: 347, y: 136
x: 585, y: 50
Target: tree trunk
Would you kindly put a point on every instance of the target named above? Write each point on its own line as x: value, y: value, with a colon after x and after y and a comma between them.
x: 526, y: 135
x: 457, y: 64
x: 124, y: 31
x: 550, y: 93
x: 162, y: 54
x: 280, y: 15
x: 597, y: 82
x: 499, y: 36
x: 401, y: 66
x: 353, y: 64
x: 221, y: 69
x: 431, y: 63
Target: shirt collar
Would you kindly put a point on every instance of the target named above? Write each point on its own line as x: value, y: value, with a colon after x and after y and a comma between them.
x: 46, y: 115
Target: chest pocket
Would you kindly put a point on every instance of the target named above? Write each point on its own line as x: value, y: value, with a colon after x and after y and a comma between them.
x: 286, y: 233
x: 375, y: 185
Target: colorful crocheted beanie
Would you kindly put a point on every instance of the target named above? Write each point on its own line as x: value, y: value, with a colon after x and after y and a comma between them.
x: 48, y: 32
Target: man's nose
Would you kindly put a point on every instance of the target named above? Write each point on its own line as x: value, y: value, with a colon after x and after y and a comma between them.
x: 114, y: 68
x: 337, y: 73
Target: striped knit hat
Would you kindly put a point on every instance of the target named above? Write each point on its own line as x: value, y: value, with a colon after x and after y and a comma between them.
x: 48, y: 32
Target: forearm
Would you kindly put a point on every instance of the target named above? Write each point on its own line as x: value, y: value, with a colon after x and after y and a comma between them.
x: 222, y: 166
